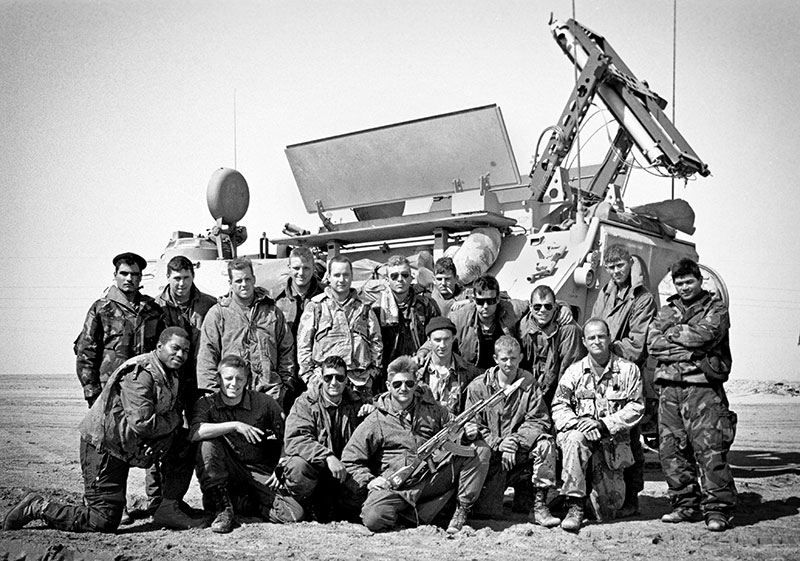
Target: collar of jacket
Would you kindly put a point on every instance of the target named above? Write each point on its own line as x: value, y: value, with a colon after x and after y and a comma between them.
x: 459, y: 364
x: 702, y: 301
x: 491, y: 378
x: 504, y: 315
x: 166, y: 296
x: 290, y: 292
x: 639, y: 280
x: 245, y: 403
x: 611, y: 367
x: 327, y: 294
x: 261, y: 295
x: 529, y: 325
x: 116, y: 295
x: 156, y: 363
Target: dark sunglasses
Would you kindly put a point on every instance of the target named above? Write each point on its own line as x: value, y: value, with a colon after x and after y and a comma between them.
x: 537, y: 307
x: 395, y: 276
x: 407, y: 383
x: 339, y: 378
x: 486, y: 301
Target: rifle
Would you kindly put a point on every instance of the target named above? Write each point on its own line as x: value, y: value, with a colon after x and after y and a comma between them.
x: 446, y: 439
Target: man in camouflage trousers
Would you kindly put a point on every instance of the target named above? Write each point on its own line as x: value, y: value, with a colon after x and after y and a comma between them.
x: 597, y: 402
x: 628, y: 307
x: 689, y: 340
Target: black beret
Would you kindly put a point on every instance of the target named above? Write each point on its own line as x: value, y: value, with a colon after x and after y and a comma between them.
x: 440, y: 322
x: 129, y: 256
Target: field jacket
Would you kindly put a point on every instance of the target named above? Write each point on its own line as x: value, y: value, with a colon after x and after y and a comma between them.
x: 628, y: 314
x: 258, y: 334
x: 316, y: 428
x: 466, y: 321
x: 403, y: 335
x: 453, y: 393
x: 690, y: 343
x: 137, y: 409
x: 386, y: 440
x: 522, y: 416
x: 547, y: 355
x: 114, y: 331
x: 292, y: 304
x: 349, y: 330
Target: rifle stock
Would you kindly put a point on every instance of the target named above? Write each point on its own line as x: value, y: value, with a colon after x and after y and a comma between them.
x: 445, y: 439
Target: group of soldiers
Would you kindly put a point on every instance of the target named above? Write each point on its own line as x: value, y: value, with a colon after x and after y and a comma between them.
x: 308, y: 405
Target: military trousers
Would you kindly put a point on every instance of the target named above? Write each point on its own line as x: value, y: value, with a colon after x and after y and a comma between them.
x: 536, y: 466
x: 218, y: 466
x: 316, y: 486
x: 696, y: 429
x: 460, y: 476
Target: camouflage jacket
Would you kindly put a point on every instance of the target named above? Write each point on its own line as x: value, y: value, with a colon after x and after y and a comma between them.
x: 349, y: 330
x: 114, y: 331
x: 407, y: 334
x: 292, y: 304
x: 547, y: 356
x: 466, y: 321
x: 616, y: 397
x: 388, y: 440
x: 258, y: 334
x: 316, y: 428
x: 452, y: 391
x: 137, y: 409
x: 628, y: 314
x: 690, y: 343
x: 522, y: 416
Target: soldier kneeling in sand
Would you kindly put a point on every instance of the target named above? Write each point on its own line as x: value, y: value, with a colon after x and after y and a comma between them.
x: 135, y: 421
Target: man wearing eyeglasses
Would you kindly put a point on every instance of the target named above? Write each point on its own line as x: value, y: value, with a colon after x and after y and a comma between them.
x: 482, y: 322
x: 387, y: 440
x: 523, y: 452
x: 628, y: 307
x: 320, y: 423
x: 548, y: 347
x: 402, y: 312
x: 338, y: 323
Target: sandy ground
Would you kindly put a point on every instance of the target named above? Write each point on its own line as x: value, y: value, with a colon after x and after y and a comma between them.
x: 38, y: 420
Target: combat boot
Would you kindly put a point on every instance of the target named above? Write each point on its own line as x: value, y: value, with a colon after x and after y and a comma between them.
x: 540, y: 513
x: 458, y: 520
x: 574, y: 519
x: 29, y: 508
x: 224, y: 519
x: 169, y: 515
x: 682, y: 514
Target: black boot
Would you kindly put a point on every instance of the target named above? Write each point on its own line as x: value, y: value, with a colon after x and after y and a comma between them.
x: 29, y: 508
x: 224, y: 519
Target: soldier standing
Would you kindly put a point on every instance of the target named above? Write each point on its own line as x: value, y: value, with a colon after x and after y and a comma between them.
x: 447, y: 290
x: 337, y: 323
x: 628, y: 307
x: 246, y: 323
x: 689, y: 340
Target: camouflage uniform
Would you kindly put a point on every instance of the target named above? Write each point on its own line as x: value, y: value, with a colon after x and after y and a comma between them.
x: 522, y: 416
x: 628, y: 313
x: 615, y: 399
x: 696, y: 426
x: 258, y: 334
x: 349, y: 330
x: 189, y: 317
x: 452, y: 390
x: 547, y: 355
x: 114, y: 330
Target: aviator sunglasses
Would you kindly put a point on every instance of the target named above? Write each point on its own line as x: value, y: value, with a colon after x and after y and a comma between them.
x: 537, y: 307
x: 395, y: 276
x: 407, y: 383
x: 485, y: 301
x: 339, y: 378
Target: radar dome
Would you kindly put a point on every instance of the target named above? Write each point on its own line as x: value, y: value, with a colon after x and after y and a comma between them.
x: 228, y: 195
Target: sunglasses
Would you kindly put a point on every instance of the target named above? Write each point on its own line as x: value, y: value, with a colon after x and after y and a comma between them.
x: 407, y: 383
x: 339, y: 378
x: 538, y: 307
x: 395, y: 276
x: 486, y: 301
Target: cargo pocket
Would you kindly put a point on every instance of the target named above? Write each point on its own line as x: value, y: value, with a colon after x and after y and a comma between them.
x: 727, y: 427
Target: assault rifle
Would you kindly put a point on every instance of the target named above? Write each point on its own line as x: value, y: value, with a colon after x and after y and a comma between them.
x: 447, y: 438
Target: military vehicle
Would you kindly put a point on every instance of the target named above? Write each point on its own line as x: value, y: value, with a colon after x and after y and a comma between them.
x: 450, y: 184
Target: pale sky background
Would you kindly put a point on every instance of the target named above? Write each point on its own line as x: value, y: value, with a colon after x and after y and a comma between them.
x: 116, y: 113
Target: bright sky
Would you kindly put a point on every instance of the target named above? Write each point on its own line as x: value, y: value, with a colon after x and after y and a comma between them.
x: 116, y: 113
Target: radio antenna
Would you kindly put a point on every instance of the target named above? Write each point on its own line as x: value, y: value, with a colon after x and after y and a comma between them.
x: 234, y: 129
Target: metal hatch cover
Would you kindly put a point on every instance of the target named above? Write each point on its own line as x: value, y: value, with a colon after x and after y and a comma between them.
x: 419, y: 158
